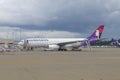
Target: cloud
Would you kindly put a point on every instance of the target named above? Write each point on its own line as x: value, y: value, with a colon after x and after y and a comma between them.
x: 50, y: 34
x: 44, y: 12
x: 74, y: 16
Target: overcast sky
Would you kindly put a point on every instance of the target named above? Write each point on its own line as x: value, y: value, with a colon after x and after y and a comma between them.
x: 58, y: 18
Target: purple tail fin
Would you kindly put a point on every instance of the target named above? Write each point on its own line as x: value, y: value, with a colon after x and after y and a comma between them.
x: 96, y: 34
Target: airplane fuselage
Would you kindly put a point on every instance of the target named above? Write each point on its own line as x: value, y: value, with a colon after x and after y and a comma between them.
x: 52, y: 42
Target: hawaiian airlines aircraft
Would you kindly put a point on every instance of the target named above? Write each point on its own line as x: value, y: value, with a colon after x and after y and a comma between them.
x: 115, y: 43
x: 61, y: 44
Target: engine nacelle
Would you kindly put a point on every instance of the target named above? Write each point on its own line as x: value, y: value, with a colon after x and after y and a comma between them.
x: 53, y: 47
x: 72, y: 45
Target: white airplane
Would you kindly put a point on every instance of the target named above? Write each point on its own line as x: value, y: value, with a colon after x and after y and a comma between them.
x: 61, y: 44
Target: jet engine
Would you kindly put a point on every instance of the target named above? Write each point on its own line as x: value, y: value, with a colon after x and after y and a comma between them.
x: 53, y: 47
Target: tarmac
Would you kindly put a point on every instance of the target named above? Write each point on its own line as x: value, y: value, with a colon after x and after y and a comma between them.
x: 97, y: 64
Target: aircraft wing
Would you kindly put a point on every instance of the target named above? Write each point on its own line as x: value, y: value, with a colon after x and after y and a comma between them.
x: 64, y: 43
